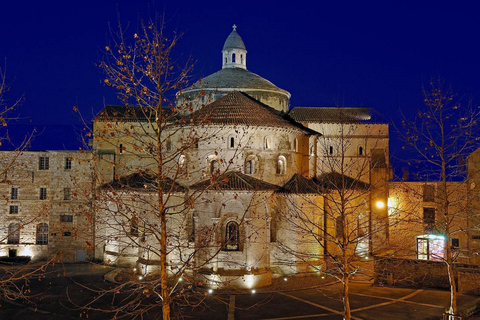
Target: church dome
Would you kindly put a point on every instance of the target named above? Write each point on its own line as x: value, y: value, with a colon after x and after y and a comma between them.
x: 238, y: 79
x: 234, y: 76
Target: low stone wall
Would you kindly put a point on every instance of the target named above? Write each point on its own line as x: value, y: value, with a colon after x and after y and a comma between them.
x: 410, y: 272
x: 421, y: 273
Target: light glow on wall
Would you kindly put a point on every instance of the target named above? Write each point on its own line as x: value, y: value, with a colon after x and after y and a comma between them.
x: 380, y: 204
x: 27, y: 252
x: 392, y: 206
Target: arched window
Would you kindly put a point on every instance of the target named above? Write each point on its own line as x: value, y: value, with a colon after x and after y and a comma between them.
x: 231, y: 142
x: 13, y: 233
x: 232, y: 236
x: 120, y: 148
x: 360, y: 151
x: 42, y: 233
x: 330, y: 150
x: 250, y: 166
x: 295, y: 144
x: 182, y: 163
x: 241, y: 58
x: 267, y: 143
x: 226, y: 60
x: 233, y: 57
x: 134, y: 226
x: 213, y: 166
x: 281, y: 165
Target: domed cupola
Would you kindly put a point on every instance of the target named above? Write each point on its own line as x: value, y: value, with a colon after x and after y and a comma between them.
x: 234, y: 53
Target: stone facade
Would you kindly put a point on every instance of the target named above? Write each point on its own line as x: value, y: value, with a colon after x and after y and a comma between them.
x: 251, y: 192
x: 47, y: 211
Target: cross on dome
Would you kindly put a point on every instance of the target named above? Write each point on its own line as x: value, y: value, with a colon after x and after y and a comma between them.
x: 234, y: 27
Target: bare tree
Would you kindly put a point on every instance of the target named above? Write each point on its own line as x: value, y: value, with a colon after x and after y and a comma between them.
x: 147, y: 152
x: 340, y: 216
x: 14, y: 279
x: 442, y: 135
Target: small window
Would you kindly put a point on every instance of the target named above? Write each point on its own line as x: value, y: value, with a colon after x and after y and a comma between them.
x: 232, y: 237
x: 241, y: 58
x: 273, y: 228
x: 168, y: 144
x: 13, y: 233
x: 295, y: 145
x: 330, y: 150
x: 360, y: 151
x: 120, y: 148
x: 67, y: 194
x: 250, y: 167
x: 66, y: 218
x: 281, y: 165
x: 134, y: 227
x: 43, y: 193
x: 181, y: 163
x: 233, y: 57
x: 231, y: 142
x: 13, y: 209
x: 455, y: 243
x: 14, y: 195
x: 44, y: 163
x: 42, y: 233
x: 68, y: 163
x: 213, y: 166
x: 429, y: 215
x: 428, y: 193
x: 67, y: 234
x: 266, y: 143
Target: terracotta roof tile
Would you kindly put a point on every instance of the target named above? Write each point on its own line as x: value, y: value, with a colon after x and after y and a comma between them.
x: 234, y: 180
x: 330, y: 114
x: 145, y: 182
x: 237, y: 108
x: 298, y: 184
x: 337, y: 181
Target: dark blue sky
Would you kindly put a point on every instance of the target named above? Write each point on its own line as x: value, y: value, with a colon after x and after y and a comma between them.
x: 354, y: 53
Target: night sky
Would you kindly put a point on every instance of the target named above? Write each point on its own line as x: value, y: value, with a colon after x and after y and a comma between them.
x: 357, y: 53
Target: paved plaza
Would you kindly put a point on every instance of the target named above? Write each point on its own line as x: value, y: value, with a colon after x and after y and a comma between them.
x: 59, y: 295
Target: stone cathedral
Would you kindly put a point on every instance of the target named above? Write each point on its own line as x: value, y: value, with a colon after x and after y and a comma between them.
x: 254, y: 188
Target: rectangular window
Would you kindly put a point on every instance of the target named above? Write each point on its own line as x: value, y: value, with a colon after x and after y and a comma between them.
x: 14, y: 195
x: 44, y: 163
x: 455, y: 243
x: 68, y: 163
x: 428, y: 193
x: 13, y: 209
x: 66, y: 194
x: 66, y: 218
x: 43, y: 193
x: 429, y: 215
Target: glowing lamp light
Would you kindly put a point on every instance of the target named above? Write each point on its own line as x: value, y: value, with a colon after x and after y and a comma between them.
x: 380, y: 204
x: 210, y: 291
x: 180, y: 279
x: 285, y: 279
x: 254, y: 291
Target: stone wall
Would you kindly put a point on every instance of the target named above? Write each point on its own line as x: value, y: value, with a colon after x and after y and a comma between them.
x: 421, y: 273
